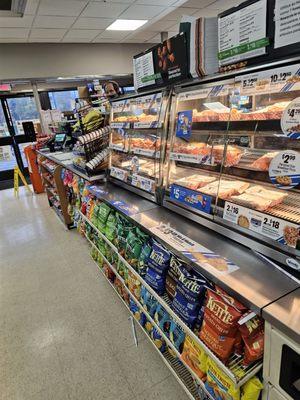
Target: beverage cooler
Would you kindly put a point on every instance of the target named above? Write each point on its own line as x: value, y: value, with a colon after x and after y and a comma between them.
x: 138, y: 131
x: 233, y: 163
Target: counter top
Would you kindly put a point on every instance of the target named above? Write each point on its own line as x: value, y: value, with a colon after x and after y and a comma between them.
x: 65, y: 160
x: 284, y: 314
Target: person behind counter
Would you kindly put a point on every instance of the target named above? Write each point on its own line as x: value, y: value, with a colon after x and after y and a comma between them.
x: 112, y: 90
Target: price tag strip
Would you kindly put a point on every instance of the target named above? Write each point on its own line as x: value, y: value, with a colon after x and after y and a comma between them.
x: 119, y: 173
x: 143, y: 183
x: 120, y: 125
x: 147, y: 125
x: 118, y: 147
x: 284, y: 170
x: 274, y: 228
x: 191, y: 198
x: 193, y: 250
x: 192, y: 158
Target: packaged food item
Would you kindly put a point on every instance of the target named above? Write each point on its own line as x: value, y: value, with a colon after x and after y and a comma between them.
x: 102, y: 216
x: 108, y: 273
x: 173, y: 276
x: 218, y: 384
x: 142, y: 261
x: 119, y: 286
x: 123, y: 228
x: 125, y: 295
x: 148, y: 301
x: 94, y: 213
x: 194, y: 356
x: 177, y: 335
x: 189, y: 296
x: 111, y: 227
x: 134, y: 243
x: 101, y: 246
x: 163, y: 319
x: 251, y: 389
x: 220, y: 324
x: 134, y: 308
x: 94, y: 254
x: 252, y: 333
x: 158, y: 340
x: 157, y: 264
x: 122, y: 270
x: 134, y: 285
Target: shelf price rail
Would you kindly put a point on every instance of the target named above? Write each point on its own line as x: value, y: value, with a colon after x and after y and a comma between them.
x: 234, y: 368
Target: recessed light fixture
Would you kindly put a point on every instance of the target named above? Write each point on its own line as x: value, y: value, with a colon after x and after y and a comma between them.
x: 126, y: 24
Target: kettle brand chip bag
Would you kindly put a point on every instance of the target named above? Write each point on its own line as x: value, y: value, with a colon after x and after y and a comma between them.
x: 148, y: 301
x: 189, y: 296
x: 194, y: 356
x: 220, y: 325
x: 173, y: 276
x: 177, y: 335
x: 252, y: 333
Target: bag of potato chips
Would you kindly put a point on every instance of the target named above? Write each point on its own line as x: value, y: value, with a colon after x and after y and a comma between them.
x: 194, y: 356
x: 102, y: 216
x: 251, y: 389
x: 111, y: 227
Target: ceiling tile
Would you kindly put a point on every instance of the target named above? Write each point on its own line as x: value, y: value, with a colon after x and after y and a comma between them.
x: 92, y: 23
x: 118, y: 1
x: 179, y: 12
x: 170, y: 34
x: 104, y: 10
x: 45, y: 21
x: 160, y: 26
x: 206, y: 12
x: 142, y: 12
x: 14, y: 33
x: 41, y: 33
x: 134, y: 40
x: 16, y: 22
x: 223, y: 4
x: 114, y: 34
x: 44, y: 40
x: 198, y: 3
x: 174, y: 28
x: 71, y: 8
x: 155, y: 39
x: 157, y: 2
x: 82, y: 34
x: 106, y: 40
x: 76, y: 40
x: 143, y: 35
x: 31, y: 7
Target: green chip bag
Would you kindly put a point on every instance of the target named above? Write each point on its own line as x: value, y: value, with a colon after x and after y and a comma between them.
x: 102, y: 217
x: 94, y: 214
x: 142, y: 262
x: 123, y: 229
x: 111, y: 227
x: 135, y: 241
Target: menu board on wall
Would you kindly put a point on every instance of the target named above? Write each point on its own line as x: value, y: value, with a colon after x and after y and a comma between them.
x: 242, y: 33
x: 287, y: 22
x: 163, y: 64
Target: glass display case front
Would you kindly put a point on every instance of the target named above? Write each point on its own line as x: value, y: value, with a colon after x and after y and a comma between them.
x: 234, y: 157
x: 137, y: 142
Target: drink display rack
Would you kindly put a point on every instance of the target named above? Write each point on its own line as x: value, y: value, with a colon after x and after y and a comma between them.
x: 138, y: 132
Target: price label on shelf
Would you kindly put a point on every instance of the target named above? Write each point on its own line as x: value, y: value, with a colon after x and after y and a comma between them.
x: 146, y: 125
x: 118, y: 147
x: 274, y: 228
x: 192, y: 158
x: 118, y: 173
x: 191, y: 198
x: 143, y: 183
x: 290, y: 120
x: 120, y: 125
x: 284, y: 170
x: 145, y: 152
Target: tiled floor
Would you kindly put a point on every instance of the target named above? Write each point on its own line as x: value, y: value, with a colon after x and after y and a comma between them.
x: 64, y: 334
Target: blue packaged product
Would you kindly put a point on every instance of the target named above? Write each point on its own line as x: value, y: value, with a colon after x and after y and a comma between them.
x: 159, y: 258
x: 177, y: 335
x: 158, y: 340
x: 149, y: 301
x: 143, y: 319
x: 163, y: 319
x: 156, y: 280
x: 189, y: 296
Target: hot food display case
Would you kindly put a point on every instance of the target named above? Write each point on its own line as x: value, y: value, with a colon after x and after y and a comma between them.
x: 233, y: 163
x: 138, y: 131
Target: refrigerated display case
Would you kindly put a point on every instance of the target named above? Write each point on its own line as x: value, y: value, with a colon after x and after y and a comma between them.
x: 234, y: 159
x: 138, y: 127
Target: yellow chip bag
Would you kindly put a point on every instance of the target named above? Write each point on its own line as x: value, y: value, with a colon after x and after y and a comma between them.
x: 194, y: 356
x: 218, y: 384
x: 251, y: 389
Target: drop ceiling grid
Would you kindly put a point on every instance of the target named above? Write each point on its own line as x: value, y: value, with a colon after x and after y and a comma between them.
x: 86, y: 20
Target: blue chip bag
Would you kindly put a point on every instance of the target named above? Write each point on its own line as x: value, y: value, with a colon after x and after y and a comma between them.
x: 156, y: 280
x: 159, y: 258
x: 158, y: 340
x: 149, y: 301
x: 189, y: 296
x: 163, y: 319
x: 177, y: 335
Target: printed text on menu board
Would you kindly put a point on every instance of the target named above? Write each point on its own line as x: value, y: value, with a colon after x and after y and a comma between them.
x: 287, y: 22
x: 242, y: 34
x: 274, y: 228
x: 143, y: 66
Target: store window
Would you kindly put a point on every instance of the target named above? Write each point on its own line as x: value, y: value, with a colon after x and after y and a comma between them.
x: 3, y: 127
x: 63, y: 100
x: 22, y: 109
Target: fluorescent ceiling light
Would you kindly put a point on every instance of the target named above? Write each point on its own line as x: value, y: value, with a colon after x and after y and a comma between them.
x: 126, y: 24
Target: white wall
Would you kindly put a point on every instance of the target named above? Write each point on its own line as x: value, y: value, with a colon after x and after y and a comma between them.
x: 42, y: 60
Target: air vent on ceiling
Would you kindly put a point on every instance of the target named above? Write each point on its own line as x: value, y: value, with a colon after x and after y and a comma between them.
x: 12, y: 8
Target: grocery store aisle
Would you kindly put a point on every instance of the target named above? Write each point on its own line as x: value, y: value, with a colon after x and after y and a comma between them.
x: 64, y: 334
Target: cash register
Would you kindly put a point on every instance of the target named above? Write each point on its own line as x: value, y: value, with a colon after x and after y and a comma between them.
x: 58, y: 142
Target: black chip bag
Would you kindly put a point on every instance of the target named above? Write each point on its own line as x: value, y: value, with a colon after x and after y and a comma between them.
x: 172, y: 277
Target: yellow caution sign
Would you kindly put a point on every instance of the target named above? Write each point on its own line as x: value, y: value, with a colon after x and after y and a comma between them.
x: 18, y: 174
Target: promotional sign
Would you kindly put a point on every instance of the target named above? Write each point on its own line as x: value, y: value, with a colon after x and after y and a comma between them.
x: 284, y: 170
x: 212, y: 261
x: 274, y: 228
x: 287, y: 23
x: 242, y: 34
x: 191, y: 198
x: 118, y: 173
x: 143, y: 183
x: 290, y: 120
x: 143, y: 67
x: 124, y: 207
x: 184, y: 124
x: 192, y: 158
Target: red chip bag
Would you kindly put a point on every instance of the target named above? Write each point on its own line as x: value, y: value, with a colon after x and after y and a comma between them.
x: 231, y: 300
x: 220, y: 325
x: 252, y: 332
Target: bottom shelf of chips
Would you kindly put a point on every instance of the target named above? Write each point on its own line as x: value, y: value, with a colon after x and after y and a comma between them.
x: 205, y: 378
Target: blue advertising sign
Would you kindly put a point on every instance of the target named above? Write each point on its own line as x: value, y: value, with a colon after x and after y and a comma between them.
x: 191, y: 198
x: 184, y: 124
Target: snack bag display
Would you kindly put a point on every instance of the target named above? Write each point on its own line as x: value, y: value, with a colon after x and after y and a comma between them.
x: 251, y: 389
x: 135, y: 240
x: 100, y: 243
x: 148, y: 301
x: 134, y: 285
x: 189, y: 296
x: 94, y: 253
x: 158, y: 340
x: 111, y: 227
x: 142, y: 261
x: 163, y: 319
x: 218, y: 384
x: 177, y: 335
x: 158, y: 262
x: 119, y: 286
x: 173, y: 276
x: 122, y: 271
x: 134, y: 308
x: 252, y: 333
x: 123, y: 228
x: 108, y: 273
x: 220, y: 325
x: 94, y: 214
x: 102, y: 216
x: 194, y: 356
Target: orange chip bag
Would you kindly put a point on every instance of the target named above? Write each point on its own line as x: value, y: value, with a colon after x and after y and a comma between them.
x: 194, y: 356
x: 252, y: 332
